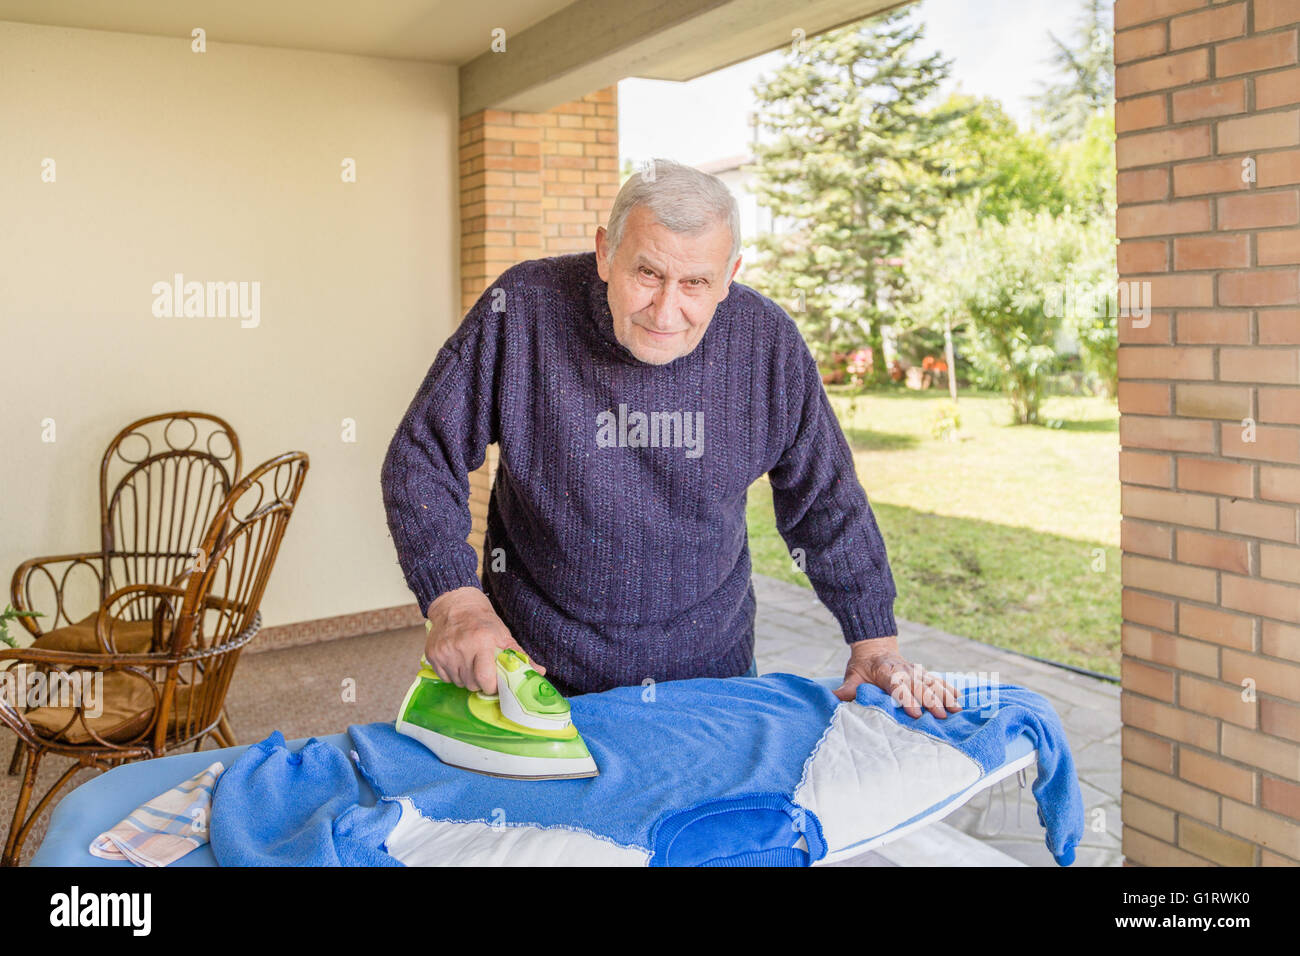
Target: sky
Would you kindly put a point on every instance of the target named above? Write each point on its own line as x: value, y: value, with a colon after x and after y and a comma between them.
x: 999, y: 49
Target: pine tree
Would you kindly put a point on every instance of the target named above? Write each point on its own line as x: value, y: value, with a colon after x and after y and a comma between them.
x: 1086, y: 63
x: 852, y: 165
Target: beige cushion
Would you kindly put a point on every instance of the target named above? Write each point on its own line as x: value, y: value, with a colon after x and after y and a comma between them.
x: 127, y: 712
x: 127, y: 708
x: 129, y: 637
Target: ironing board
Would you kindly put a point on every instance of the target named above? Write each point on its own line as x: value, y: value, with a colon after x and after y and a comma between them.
x: 100, y: 803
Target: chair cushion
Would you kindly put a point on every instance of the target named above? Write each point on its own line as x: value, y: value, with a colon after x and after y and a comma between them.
x: 129, y: 637
x: 127, y: 708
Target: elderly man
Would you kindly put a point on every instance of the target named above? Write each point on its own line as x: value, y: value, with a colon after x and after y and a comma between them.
x: 635, y: 394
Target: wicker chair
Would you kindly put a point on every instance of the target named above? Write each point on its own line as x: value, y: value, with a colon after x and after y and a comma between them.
x: 170, y: 693
x: 160, y: 481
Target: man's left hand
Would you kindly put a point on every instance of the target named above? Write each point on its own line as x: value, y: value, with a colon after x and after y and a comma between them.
x: 878, y: 661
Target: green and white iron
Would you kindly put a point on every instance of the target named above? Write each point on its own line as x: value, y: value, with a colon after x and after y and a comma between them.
x: 524, y: 731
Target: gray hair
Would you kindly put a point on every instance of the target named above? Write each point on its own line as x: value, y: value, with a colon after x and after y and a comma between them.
x: 683, y: 199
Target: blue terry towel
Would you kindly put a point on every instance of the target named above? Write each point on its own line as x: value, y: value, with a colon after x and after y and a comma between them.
x: 770, y: 771
x: 309, y: 790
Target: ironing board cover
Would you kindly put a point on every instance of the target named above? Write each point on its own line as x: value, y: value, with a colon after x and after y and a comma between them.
x: 771, y: 770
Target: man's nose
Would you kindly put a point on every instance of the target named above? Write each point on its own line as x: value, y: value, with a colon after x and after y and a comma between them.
x: 665, y: 306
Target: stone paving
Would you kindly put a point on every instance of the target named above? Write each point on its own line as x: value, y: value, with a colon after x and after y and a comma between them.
x: 794, y: 632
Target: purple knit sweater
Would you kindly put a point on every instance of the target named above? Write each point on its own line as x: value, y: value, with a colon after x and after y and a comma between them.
x: 616, y: 546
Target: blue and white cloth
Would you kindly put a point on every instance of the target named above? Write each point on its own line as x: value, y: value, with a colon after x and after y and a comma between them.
x: 161, y: 831
x: 771, y: 770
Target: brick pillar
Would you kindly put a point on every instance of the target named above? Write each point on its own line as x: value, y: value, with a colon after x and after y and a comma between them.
x: 531, y: 185
x: 579, y: 171
x: 1208, y: 125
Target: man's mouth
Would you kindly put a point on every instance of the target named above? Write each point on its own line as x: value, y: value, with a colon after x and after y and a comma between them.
x: 660, y: 335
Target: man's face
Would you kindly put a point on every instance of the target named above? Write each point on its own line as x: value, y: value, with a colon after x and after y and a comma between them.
x: 664, y: 286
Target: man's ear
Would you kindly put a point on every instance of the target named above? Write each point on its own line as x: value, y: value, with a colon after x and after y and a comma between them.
x: 734, y: 269
x: 602, y: 244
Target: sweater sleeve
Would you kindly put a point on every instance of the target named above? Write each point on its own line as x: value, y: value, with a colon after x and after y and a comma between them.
x: 441, y: 439
x: 821, y: 509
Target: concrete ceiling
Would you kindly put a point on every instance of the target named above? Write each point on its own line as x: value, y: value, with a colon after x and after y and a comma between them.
x: 556, y: 50
x: 591, y: 44
x: 439, y: 31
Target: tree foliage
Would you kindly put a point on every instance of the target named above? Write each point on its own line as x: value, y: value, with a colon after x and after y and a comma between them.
x: 1009, y: 168
x: 1052, y: 194
x: 891, y: 210
x: 851, y: 167
x: 1087, y: 167
x: 1006, y: 281
x: 1085, y: 64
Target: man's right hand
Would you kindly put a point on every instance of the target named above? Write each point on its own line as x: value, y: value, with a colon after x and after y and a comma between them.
x: 464, y: 639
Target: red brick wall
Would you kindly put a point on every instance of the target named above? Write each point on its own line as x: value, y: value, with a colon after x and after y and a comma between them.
x: 579, y: 171
x: 531, y: 185
x: 1208, y: 148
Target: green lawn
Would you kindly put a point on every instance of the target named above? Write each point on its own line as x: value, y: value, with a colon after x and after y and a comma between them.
x: 1009, y: 536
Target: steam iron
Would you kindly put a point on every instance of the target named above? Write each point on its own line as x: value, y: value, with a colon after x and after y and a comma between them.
x: 523, y: 731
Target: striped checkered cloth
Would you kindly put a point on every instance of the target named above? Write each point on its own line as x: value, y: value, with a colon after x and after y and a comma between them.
x: 167, y: 827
